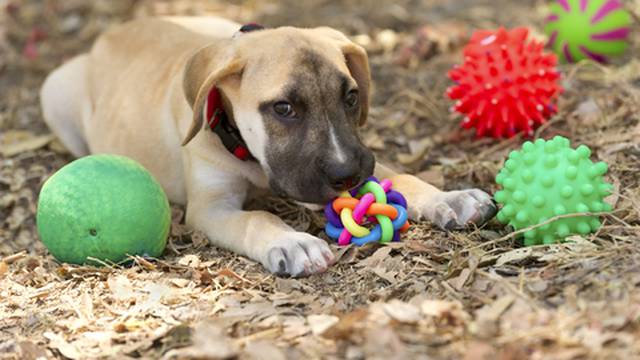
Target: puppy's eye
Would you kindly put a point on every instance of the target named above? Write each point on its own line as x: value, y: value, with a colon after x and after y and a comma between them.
x: 352, y: 98
x: 284, y: 109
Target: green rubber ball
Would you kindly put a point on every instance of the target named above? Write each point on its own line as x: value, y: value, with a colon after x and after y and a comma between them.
x: 588, y: 29
x: 547, y: 179
x: 105, y: 207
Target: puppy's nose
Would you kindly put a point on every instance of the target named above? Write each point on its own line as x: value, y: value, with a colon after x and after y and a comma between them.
x: 344, y: 177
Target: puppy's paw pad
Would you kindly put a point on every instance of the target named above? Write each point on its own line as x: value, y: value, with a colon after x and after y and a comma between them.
x: 457, y: 209
x: 299, y: 254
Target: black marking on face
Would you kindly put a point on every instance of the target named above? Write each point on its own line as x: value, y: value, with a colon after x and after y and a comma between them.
x: 305, y: 162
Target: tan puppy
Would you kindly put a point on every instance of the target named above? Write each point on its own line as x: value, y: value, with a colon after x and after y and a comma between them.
x: 297, y: 97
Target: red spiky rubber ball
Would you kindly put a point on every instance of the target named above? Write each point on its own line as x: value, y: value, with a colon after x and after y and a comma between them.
x: 506, y: 85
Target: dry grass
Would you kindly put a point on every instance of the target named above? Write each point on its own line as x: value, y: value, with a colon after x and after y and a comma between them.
x: 472, y: 295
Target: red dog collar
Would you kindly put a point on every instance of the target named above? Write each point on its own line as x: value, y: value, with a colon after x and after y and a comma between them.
x: 219, y: 122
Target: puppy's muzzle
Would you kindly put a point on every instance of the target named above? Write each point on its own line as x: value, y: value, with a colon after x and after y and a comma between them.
x: 347, y: 174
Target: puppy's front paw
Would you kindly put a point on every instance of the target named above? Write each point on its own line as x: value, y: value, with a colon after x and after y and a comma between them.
x: 299, y: 254
x: 457, y: 209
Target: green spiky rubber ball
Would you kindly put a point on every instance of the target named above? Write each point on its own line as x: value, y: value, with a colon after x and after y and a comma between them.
x: 547, y: 179
x: 588, y: 29
x: 104, y: 207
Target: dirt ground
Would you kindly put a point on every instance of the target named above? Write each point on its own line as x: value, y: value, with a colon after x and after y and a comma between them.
x: 475, y: 294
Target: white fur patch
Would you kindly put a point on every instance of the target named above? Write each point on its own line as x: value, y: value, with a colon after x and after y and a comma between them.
x: 337, y: 149
x: 251, y: 127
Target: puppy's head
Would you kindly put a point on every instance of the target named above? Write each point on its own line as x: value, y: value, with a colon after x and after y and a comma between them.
x: 298, y: 97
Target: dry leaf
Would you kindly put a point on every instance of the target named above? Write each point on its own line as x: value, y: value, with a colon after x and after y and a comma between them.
x: 3, y: 268
x: 459, y: 281
x: 486, y: 325
x: 14, y: 142
x: 418, y: 150
x: 209, y: 342
x: 437, y: 308
x: 588, y: 112
x: 121, y: 288
x: 429, y: 41
x: 180, y: 282
x: 203, y: 276
x: 210, y: 339
x: 156, y: 293
x: 31, y: 351
x: 402, y: 312
x: 480, y: 351
x: 449, y: 311
x: 377, y: 258
x: 615, y: 192
x: 59, y: 343
x: 226, y: 272
x: 374, y: 142
x: 388, y: 275
x: 515, y: 255
x: 57, y: 146
x: 190, y: 261
x: 294, y: 327
x: 251, y: 310
x: 388, y: 39
x: 346, y: 254
x: 346, y: 326
x: 259, y: 350
x: 320, y: 323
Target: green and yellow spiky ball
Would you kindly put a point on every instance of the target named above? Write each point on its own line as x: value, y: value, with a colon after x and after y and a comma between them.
x: 547, y: 179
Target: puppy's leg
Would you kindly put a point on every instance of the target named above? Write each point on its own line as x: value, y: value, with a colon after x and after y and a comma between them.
x: 446, y: 209
x: 214, y: 206
x: 64, y: 98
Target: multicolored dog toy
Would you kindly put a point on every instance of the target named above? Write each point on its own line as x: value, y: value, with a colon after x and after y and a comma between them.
x: 506, y: 85
x: 384, y: 207
x: 594, y: 29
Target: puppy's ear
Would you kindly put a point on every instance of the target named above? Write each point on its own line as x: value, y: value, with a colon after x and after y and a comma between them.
x: 358, y: 63
x: 206, y: 68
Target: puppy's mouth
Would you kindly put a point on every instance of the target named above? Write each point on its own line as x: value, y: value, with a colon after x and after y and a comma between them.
x: 347, y: 185
x: 319, y: 191
x: 318, y: 194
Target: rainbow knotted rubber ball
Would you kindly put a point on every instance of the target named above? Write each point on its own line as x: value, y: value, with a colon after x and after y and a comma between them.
x: 594, y: 29
x: 373, y: 204
x: 547, y: 179
x: 104, y: 207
